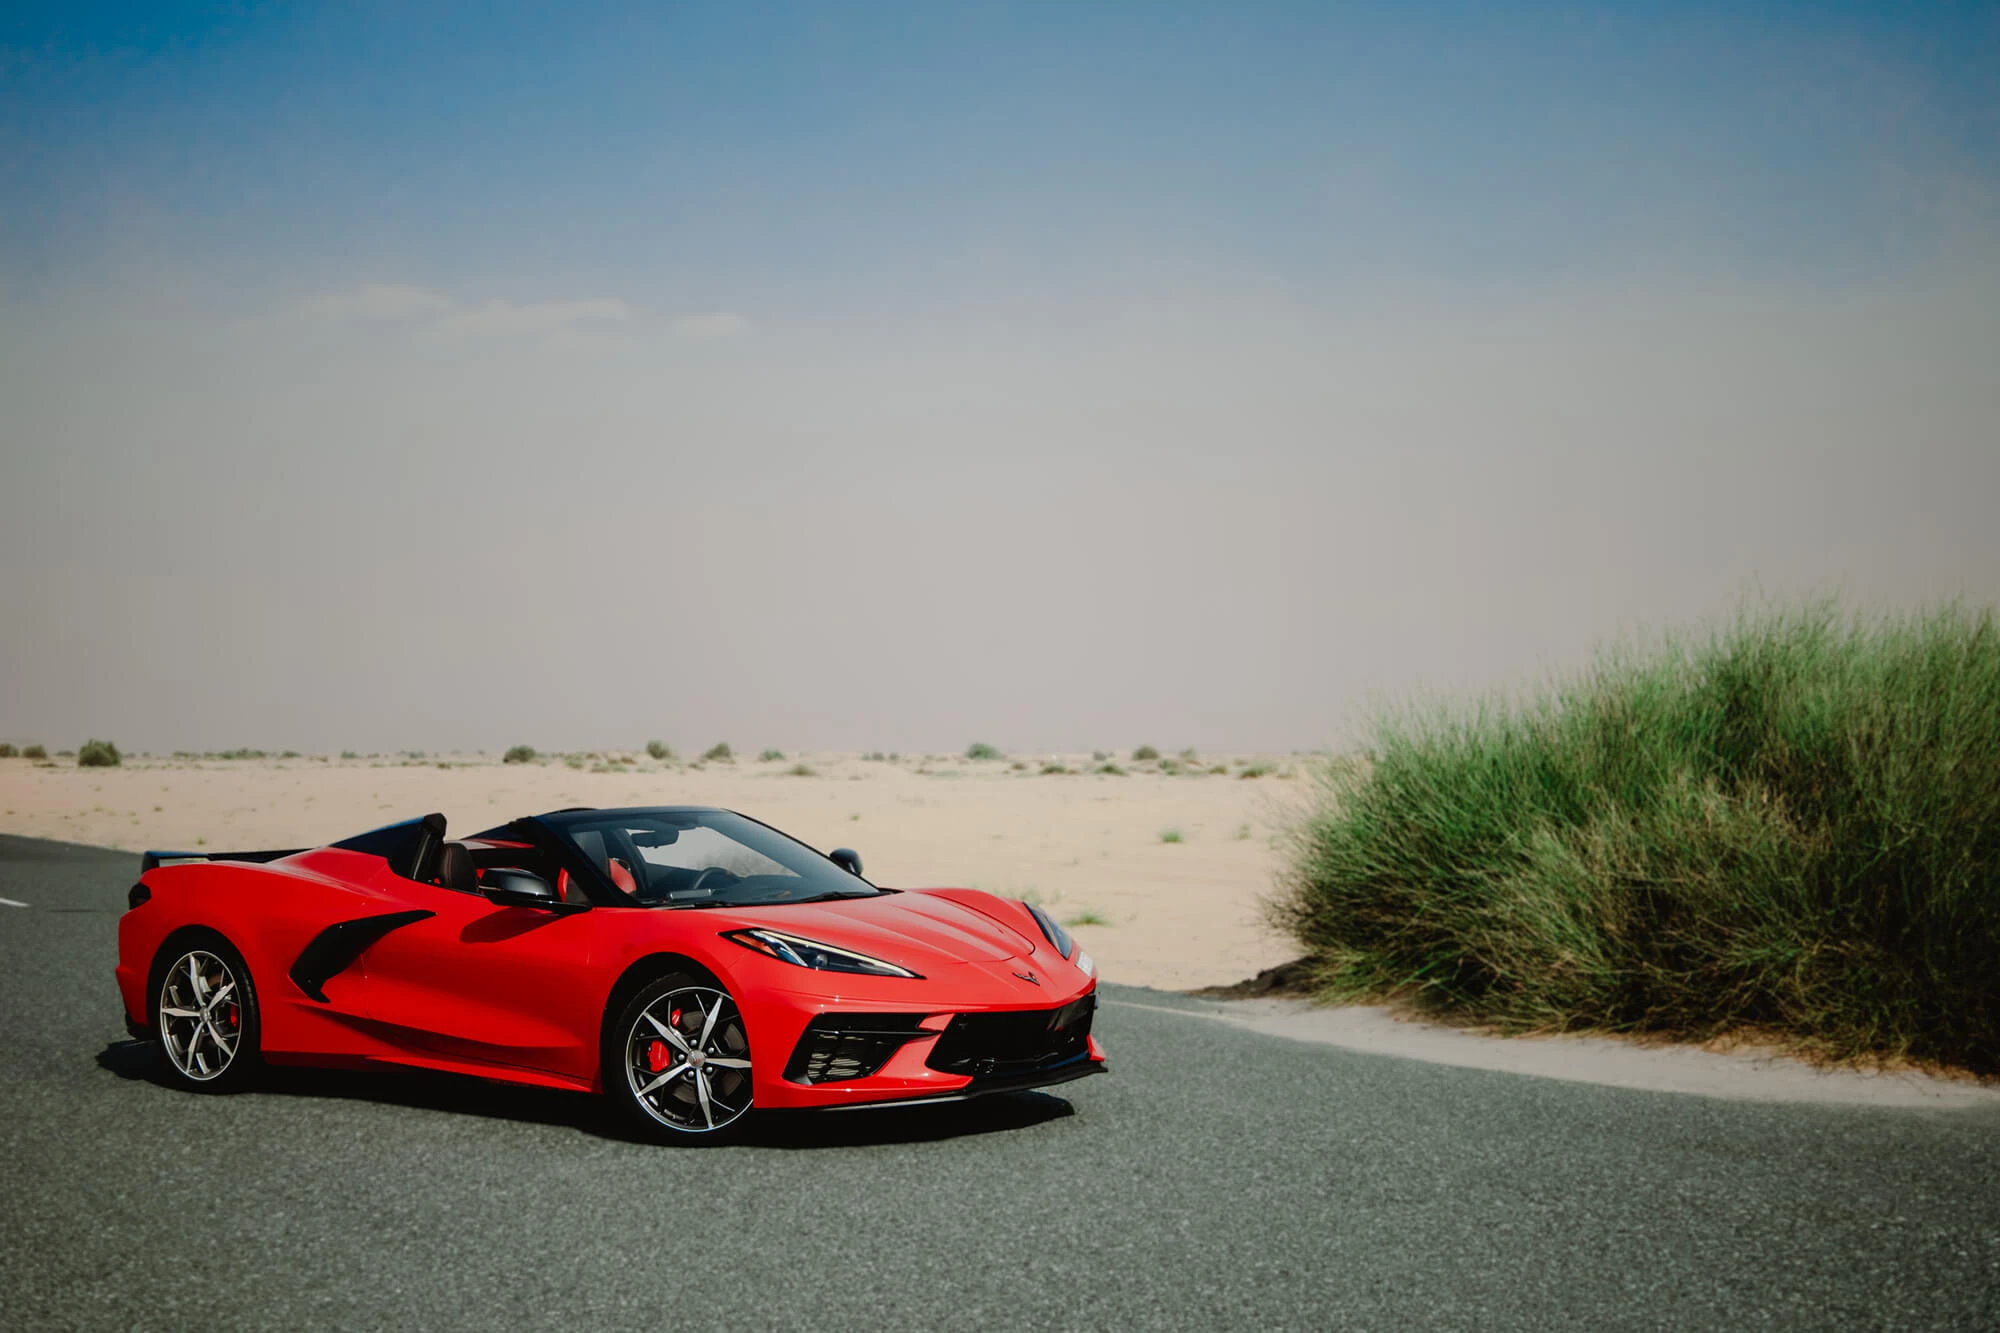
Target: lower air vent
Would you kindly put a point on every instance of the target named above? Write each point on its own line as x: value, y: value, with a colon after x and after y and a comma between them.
x: 1017, y: 1041
x: 838, y: 1047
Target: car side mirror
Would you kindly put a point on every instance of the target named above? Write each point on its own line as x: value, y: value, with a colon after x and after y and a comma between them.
x: 847, y: 859
x: 518, y: 888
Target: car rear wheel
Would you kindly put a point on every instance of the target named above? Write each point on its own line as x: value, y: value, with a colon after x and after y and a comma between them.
x: 679, y: 1060
x: 205, y: 1014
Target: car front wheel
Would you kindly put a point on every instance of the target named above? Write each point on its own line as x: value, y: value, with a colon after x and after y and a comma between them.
x: 682, y: 1061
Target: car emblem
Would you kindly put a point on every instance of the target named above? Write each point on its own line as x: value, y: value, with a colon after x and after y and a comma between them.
x: 1029, y: 977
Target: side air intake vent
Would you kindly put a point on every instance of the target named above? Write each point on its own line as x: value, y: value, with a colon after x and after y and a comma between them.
x: 838, y: 1047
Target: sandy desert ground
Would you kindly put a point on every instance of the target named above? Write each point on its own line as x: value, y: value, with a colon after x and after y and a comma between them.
x: 1091, y: 847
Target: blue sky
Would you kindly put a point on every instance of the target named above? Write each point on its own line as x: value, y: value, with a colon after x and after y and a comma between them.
x: 916, y: 153
x: 1074, y: 375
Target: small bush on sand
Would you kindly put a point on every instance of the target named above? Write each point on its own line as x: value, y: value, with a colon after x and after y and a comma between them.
x: 1144, y: 753
x: 519, y: 754
x: 659, y: 750
x: 981, y: 750
x: 771, y: 757
x: 349, y: 754
x: 98, y: 754
x: 1109, y: 770
x: 1791, y: 826
x: 1089, y: 916
x: 1171, y: 835
x: 6, y: 750
x: 719, y: 753
x: 1254, y: 770
x: 34, y: 752
x: 1051, y: 770
x: 800, y: 770
x: 1099, y: 756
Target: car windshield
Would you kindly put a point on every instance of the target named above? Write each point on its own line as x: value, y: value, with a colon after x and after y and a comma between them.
x: 703, y: 858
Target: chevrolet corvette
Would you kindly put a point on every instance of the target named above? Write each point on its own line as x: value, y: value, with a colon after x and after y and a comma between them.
x: 690, y: 963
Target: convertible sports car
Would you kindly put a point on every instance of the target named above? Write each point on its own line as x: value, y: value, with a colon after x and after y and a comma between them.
x: 688, y: 962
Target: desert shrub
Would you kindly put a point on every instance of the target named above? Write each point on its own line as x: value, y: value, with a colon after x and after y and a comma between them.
x: 519, y: 754
x: 1188, y: 755
x: 34, y: 752
x: 874, y: 757
x: 6, y: 750
x: 719, y: 753
x: 1171, y: 767
x: 981, y: 750
x: 771, y: 757
x: 1254, y: 770
x: 98, y: 754
x: 1171, y: 835
x: 659, y: 750
x: 1099, y: 756
x: 1109, y: 770
x: 349, y: 754
x: 1219, y: 768
x: 1144, y: 753
x: 1792, y: 825
x: 800, y: 771
x: 1051, y: 770
x: 1089, y: 916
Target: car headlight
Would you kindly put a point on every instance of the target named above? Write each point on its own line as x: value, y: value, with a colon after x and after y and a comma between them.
x: 1056, y: 934
x: 802, y: 952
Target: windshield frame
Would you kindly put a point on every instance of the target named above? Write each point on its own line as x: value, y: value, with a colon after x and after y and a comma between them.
x: 818, y: 869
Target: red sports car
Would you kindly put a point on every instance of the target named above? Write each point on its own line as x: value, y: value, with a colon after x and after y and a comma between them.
x: 688, y: 962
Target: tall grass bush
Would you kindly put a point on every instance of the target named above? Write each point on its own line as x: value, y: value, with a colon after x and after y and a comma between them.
x: 1790, y: 826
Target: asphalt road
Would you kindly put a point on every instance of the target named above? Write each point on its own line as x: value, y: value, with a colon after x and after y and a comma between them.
x: 1215, y: 1180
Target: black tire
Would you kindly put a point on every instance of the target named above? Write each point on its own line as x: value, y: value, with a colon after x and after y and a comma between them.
x: 218, y: 1050
x: 697, y: 1087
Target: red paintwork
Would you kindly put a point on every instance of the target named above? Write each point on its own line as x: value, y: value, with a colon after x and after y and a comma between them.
x: 519, y: 994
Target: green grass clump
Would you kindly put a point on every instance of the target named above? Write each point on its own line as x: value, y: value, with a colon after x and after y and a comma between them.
x: 659, y: 750
x: 34, y: 752
x: 1109, y: 770
x: 1171, y: 835
x: 1143, y: 753
x: 519, y: 754
x: 1089, y: 916
x: 1050, y: 770
x: 98, y: 754
x: 981, y: 750
x: 771, y: 756
x: 800, y: 770
x: 1792, y: 826
x: 1254, y: 770
x: 349, y: 754
x: 719, y: 753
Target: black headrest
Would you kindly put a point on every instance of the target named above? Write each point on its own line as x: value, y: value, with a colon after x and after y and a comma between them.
x: 455, y: 870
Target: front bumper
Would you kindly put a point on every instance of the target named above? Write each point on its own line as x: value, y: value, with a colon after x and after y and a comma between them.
x: 784, y: 1025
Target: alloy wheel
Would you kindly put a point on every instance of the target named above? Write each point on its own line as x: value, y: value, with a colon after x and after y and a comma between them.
x: 687, y: 1060
x: 201, y: 1015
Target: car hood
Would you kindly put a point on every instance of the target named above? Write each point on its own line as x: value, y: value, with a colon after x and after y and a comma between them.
x: 917, y: 930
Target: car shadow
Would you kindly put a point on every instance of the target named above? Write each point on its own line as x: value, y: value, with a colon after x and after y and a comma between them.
x: 460, y: 1094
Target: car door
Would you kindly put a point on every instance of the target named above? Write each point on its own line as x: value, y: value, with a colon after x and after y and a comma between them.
x: 494, y: 985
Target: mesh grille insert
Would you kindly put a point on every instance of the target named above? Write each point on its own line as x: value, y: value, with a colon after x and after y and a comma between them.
x: 1017, y: 1041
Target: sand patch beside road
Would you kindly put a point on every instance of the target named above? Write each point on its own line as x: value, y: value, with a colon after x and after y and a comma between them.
x: 1179, y: 914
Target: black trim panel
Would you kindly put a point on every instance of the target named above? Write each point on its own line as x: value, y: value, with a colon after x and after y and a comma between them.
x: 330, y: 951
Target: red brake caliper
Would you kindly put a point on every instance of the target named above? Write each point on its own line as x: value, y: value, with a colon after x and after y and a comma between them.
x: 658, y: 1057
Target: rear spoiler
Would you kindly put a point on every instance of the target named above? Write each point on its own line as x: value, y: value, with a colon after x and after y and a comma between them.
x: 154, y: 860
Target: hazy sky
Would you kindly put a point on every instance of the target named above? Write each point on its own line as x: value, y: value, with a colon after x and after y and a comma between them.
x: 877, y: 376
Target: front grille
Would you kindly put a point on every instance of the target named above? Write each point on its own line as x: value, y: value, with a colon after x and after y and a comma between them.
x: 837, y: 1047
x: 1018, y: 1041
